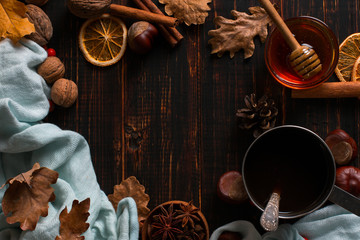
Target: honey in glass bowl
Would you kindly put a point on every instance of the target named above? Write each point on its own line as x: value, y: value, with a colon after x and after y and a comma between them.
x: 307, y: 31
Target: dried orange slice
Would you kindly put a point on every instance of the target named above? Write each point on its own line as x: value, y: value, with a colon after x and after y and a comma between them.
x: 349, y: 52
x: 102, y: 40
x: 355, y: 75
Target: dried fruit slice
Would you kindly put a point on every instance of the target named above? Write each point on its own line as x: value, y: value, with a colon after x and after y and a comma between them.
x: 102, y: 40
x: 349, y: 52
x: 355, y: 75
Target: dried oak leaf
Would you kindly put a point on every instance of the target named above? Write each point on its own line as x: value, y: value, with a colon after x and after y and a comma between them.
x: 28, y: 196
x: 233, y: 35
x: 131, y: 187
x: 73, y: 224
x: 13, y: 21
x: 188, y: 11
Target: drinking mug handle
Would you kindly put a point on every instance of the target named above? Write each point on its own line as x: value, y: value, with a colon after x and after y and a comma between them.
x: 345, y: 200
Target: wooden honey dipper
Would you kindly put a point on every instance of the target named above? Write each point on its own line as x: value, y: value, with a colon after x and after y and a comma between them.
x: 303, y: 59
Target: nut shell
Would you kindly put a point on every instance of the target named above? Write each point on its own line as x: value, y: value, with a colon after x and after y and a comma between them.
x: 88, y: 8
x: 141, y: 36
x: 342, y: 152
x: 43, y: 26
x: 36, y: 2
x: 231, y: 188
x: 64, y: 92
x: 348, y: 179
x: 338, y: 135
x: 51, y: 69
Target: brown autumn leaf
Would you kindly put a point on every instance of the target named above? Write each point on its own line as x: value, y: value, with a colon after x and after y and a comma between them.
x: 131, y: 187
x: 233, y: 35
x: 73, y: 224
x: 28, y: 196
x: 188, y: 11
x: 13, y: 21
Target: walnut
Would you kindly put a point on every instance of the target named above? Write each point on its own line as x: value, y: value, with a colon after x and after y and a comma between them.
x: 64, y: 92
x: 88, y: 8
x: 43, y: 27
x: 36, y: 2
x: 51, y: 69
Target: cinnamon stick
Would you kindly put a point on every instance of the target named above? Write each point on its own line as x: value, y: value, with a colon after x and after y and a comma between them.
x: 330, y: 90
x: 153, y: 8
x: 138, y: 14
x: 166, y: 34
x: 163, y: 29
x: 171, y: 35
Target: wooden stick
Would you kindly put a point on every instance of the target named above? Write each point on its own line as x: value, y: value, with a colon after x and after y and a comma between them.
x: 330, y: 90
x: 279, y: 22
x: 138, y: 14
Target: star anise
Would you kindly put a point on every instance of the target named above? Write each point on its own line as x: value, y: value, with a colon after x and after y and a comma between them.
x: 188, y: 214
x: 166, y: 213
x: 165, y: 226
x: 190, y: 233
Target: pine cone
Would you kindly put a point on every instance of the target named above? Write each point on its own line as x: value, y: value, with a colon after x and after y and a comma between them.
x: 258, y: 116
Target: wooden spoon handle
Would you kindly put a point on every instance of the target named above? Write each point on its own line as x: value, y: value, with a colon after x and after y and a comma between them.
x: 279, y: 22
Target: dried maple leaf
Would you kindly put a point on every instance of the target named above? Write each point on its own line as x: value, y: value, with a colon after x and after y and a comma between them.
x: 131, y: 187
x: 28, y: 196
x: 188, y: 11
x: 73, y: 224
x: 13, y: 21
x: 233, y: 35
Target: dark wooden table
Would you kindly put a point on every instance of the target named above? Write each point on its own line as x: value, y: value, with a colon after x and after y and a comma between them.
x: 182, y: 101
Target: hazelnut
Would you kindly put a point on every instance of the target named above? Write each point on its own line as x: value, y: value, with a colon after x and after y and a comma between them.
x: 231, y: 188
x: 36, y: 2
x: 348, y: 179
x: 51, y: 69
x: 64, y: 92
x: 43, y: 26
x: 141, y: 36
x: 342, y: 146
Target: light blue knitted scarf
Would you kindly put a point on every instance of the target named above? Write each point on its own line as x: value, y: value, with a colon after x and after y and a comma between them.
x: 24, y: 140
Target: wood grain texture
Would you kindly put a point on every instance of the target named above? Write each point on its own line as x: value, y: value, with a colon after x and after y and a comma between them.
x: 168, y: 117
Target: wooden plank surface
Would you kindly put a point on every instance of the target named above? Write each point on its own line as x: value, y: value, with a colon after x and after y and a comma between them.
x: 181, y: 104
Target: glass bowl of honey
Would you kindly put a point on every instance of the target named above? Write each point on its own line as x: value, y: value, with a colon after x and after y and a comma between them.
x: 307, y: 31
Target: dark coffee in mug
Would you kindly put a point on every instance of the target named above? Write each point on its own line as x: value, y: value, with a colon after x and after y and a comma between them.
x: 291, y: 161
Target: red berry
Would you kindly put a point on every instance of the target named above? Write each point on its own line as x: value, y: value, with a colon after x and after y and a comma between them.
x: 227, y: 235
x: 52, y: 106
x: 51, y: 52
x: 45, y: 47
